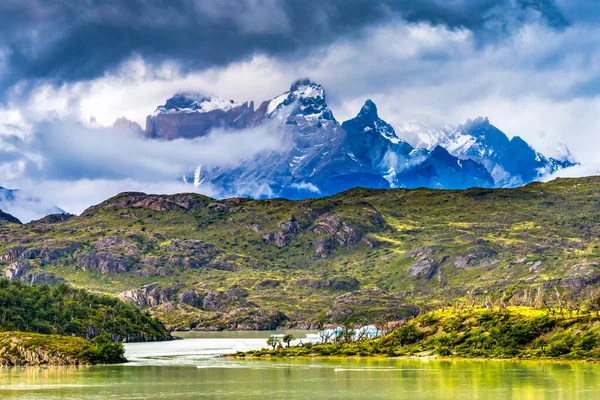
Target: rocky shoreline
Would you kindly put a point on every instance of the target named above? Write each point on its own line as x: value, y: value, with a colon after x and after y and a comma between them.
x: 33, y: 349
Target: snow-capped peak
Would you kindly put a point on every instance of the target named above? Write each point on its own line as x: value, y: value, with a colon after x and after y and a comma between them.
x: 368, y: 120
x: 308, y: 99
x: 194, y: 103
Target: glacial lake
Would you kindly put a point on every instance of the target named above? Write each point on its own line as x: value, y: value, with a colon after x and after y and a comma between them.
x: 189, y: 369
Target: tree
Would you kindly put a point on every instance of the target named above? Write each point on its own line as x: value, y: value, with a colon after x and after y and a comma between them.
x: 288, y: 338
x: 273, y: 341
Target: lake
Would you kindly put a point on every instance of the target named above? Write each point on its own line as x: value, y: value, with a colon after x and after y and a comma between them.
x: 189, y: 369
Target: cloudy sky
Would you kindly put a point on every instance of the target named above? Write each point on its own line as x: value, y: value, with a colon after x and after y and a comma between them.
x: 531, y: 66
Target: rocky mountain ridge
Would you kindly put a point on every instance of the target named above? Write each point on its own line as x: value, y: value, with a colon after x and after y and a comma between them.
x: 323, y: 157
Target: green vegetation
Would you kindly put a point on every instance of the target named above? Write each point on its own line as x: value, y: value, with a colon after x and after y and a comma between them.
x: 257, y: 264
x: 74, y: 312
x: 471, y: 332
x: 21, y: 348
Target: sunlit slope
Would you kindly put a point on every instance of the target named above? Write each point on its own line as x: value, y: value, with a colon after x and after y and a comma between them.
x: 242, y: 263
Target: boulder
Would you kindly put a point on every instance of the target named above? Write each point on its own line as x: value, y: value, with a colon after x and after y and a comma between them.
x: 425, y: 268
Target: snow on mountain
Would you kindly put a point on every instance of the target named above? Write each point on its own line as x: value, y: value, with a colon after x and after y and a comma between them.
x: 194, y: 115
x: 306, y: 100
x: 194, y: 103
x: 323, y: 157
x: 511, y: 162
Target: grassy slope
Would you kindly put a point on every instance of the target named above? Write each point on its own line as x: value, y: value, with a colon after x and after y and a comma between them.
x: 535, y: 235
x: 514, y: 332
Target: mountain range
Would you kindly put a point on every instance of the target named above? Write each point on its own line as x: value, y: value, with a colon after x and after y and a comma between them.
x: 322, y: 157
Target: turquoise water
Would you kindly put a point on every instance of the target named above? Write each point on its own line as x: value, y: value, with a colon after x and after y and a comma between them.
x: 189, y: 369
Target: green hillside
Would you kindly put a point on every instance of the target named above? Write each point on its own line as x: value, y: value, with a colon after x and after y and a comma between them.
x: 67, y: 311
x: 252, y: 264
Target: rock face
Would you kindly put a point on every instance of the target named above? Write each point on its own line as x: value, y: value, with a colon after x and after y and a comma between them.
x: 191, y: 298
x: 189, y: 115
x: 218, y: 300
x: 21, y: 270
x: 104, y: 262
x: 147, y: 296
x: 341, y: 231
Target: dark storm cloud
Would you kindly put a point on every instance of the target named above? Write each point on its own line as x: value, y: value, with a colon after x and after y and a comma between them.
x: 65, y: 40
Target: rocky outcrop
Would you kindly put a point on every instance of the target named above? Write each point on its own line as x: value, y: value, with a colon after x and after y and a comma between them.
x: 218, y: 207
x: 33, y: 349
x: 201, y: 251
x: 191, y: 298
x: 17, y: 355
x: 104, y: 262
x: 45, y: 254
x: 289, y: 230
x: 147, y: 296
x: 116, y: 244
x: 12, y: 254
x: 218, y: 300
x: 21, y: 271
x: 16, y: 270
x: 477, y: 257
x: 344, y: 234
x: 42, y: 278
x: 425, y: 268
x: 221, y: 266
x: 324, y: 246
x: 178, y: 202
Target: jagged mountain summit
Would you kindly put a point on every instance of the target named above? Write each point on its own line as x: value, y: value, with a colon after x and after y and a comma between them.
x: 323, y: 157
x: 511, y: 162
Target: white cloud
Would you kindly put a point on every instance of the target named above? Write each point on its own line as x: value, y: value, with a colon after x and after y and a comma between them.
x: 73, y: 165
x: 538, y: 83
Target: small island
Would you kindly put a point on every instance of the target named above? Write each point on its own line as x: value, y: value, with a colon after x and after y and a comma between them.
x: 514, y: 332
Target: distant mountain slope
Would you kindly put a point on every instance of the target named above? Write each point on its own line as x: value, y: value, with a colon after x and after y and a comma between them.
x: 511, y: 162
x: 247, y: 264
x: 8, y: 219
x: 25, y: 207
x: 322, y: 157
